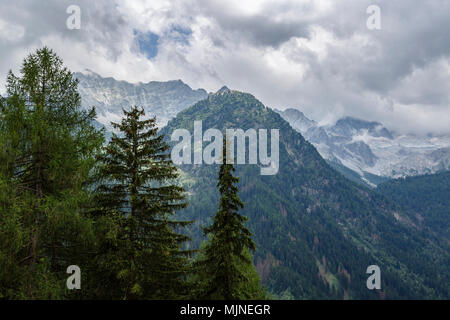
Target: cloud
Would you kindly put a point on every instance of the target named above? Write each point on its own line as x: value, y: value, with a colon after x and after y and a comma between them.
x: 315, y: 55
x: 10, y: 32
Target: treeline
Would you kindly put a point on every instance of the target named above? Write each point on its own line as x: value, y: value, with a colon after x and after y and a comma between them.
x: 69, y: 198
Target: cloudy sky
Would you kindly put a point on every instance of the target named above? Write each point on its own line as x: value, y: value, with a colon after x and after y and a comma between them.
x: 317, y: 56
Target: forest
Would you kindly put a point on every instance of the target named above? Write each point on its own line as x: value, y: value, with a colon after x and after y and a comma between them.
x: 70, y: 200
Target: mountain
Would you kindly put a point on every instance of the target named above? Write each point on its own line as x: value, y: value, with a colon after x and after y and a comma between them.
x: 297, y: 119
x: 316, y: 232
x: 370, y: 150
x: 425, y: 199
x: 109, y: 96
x: 365, y: 152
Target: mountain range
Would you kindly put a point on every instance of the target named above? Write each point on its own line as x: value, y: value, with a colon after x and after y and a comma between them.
x: 371, y: 150
x: 364, y: 151
x: 316, y: 231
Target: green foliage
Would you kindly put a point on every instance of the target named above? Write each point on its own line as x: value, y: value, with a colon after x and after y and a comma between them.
x: 425, y: 200
x: 48, y: 146
x: 17, y: 279
x: 140, y: 251
x: 226, y: 269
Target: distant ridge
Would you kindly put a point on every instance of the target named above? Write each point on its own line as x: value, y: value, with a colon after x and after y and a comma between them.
x: 370, y: 150
x: 162, y: 99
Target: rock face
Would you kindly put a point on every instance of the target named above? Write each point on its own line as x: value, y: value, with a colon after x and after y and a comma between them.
x: 161, y: 99
x: 297, y: 119
x: 368, y: 148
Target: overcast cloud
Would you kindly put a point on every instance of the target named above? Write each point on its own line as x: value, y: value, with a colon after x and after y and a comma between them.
x: 317, y: 56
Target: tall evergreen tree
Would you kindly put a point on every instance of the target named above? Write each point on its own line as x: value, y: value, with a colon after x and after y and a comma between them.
x: 48, y: 147
x: 225, y: 269
x: 138, y: 197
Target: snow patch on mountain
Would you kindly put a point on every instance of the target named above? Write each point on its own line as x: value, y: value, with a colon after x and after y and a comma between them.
x: 369, y: 147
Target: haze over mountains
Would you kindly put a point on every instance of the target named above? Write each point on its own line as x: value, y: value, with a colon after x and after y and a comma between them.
x: 367, y: 148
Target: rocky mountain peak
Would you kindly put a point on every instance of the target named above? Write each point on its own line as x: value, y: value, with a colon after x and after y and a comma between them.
x: 163, y: 99
x: 223, y: 90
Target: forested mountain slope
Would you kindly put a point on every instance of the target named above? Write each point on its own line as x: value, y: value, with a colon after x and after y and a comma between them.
x: 426, y: 201
x: 316, y: 232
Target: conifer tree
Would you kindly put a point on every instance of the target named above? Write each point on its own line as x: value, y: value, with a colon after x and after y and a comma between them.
x: 225, y: 269
x: 48, y: 147
x: 138, y: 197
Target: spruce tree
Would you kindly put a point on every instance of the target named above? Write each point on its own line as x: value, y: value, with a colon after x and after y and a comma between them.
x: 48, y: 147
x: 137, y: 196
x: 225, y: 268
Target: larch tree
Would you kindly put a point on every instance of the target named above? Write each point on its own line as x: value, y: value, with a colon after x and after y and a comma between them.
x: 48, y: 152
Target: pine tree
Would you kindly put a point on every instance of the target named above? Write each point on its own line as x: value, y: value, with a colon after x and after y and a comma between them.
x: 137, y: 196
x: 48, y: 147
x: 225, y: 269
